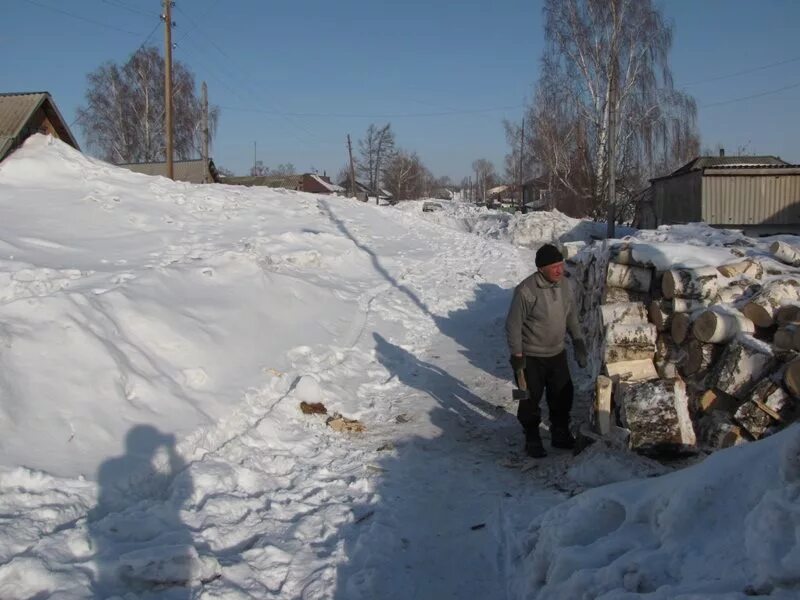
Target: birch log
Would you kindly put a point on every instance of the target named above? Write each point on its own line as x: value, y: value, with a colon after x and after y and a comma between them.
x: 743, y: 363
x: 747, y: 267
x: 660, y: 314
x: 702, y: 282
x: 631, y: 334
x: 687, y: 305
x: 613, y: 295
x: 763, y: 307
x: 632, y: 370
x: 753, y: 419
x: 613, y: 354
x: 788, y: 313
x: 715, y: 400
x: 718, y: 431
x: 680, y: 327
x: 717, y: 327
x: 656, y: 413
x: 623, y: 313
x: 699, y: 358
x: 786, y: 336
x: 785, y: 253
x: 791, y: 378
x: 629, y: 277
x: 602, y: 407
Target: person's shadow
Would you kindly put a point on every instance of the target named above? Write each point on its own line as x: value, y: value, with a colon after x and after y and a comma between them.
x: 138, y: 539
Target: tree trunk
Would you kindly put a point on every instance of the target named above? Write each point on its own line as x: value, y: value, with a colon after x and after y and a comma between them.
x: 623, y: 313
x: 660, y: 313
x: 741, y: 365
x: 699, y: 358
x: 656, y: 413
x: 717, y: 327
x: 680, y: 327
x: 602, y: 406
x: 786, y: 253
x: 629, y: 277
x: 702, y: 282
x: 687, y: 305
x: 634, y: 334
x: 763, y: 307
x: 632, y: 370
x: 747, y: 267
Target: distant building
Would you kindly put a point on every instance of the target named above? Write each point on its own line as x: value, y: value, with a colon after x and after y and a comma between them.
x: 23, y: 114
x: 758, y: 194
x: 306, y: 182
x: 191, y: 171
x: 536, y: 193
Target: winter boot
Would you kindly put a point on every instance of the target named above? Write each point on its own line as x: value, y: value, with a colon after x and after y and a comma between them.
x: 533, y: 444
x: 561, y: 437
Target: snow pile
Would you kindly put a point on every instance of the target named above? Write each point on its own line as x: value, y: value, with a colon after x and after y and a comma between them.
x: 725, y: 528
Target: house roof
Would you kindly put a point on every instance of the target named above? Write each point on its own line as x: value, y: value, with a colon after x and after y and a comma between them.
x: 184, y: 170
x: 16, y: 109
x: 705, y: 162
x: 331, y: 187
x: 289, y: 182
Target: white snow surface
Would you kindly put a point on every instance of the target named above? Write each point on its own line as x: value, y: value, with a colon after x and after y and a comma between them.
x: 157, y: 338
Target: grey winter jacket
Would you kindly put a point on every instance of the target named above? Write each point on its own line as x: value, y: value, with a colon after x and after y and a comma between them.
x: 539, y: 316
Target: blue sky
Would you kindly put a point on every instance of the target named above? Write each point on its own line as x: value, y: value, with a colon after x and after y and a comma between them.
x: 342, y: 65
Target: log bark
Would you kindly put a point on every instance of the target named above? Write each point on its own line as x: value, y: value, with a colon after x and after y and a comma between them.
x: 687, y: 305
x: 718, y: 431
x: 631, y: 370
x: 743, y: 363
x: 660, y: 314
x: 602, y: 407
x: 631, y: 334
x: 629, y: 277
x: 791, y: 378
x: 700, y: 358
x: 702, y: 282
x: 656, y: 413
x: 613, y: 354
x: 613, y: 295
x: 728, y: 295
x: 785, y: 253
x: 754, y: 420
x: 763, y: 307
x: 787, y: 314
x: 666, y: 369
x: 667, y: 349
x: 623, y: 312
x: 747, y: 267
x: 717, y: 327
x: 680, y: 327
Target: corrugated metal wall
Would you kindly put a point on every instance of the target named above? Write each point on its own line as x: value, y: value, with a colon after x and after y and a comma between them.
x: 751, y: 199
x: 678, y: 199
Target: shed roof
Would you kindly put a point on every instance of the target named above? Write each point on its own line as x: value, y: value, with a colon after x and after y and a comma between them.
x: 331, y: 187
x: 184, y: 170
x: 16, y: 109
x: 705, y: 162
x: 289, y: 182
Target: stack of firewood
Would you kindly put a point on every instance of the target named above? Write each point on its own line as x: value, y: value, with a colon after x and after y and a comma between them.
x: 714, y: 355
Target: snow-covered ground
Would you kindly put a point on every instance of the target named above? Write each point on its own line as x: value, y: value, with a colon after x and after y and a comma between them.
x: 157, y: 338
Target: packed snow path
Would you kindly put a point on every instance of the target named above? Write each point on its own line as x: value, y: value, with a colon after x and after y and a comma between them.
x: 194, y: 489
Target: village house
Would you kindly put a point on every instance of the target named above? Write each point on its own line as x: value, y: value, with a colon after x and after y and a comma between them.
x: 305, y: 182
x: 191, y: 171
x: 23, y: 114
x: 757, y: 194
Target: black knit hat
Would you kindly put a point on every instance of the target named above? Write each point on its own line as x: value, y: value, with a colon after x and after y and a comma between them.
x: 548, y: 255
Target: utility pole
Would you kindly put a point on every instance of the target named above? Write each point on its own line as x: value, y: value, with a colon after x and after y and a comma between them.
x: 352, y: 168
x: 206, y: 170
x: 167, y: 16
x: 612, y: 136
x: 254, y: 158
x: 521, y: 146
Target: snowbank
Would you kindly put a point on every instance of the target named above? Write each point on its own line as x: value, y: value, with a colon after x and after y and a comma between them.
x: 725, y: 528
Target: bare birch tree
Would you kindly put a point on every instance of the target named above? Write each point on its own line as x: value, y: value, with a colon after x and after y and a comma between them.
x: 376, y: 148
x: 587, y: 40
x: 123, y: 120
x: 406, y: 177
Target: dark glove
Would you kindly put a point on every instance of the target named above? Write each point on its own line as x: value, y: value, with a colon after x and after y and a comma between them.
x: 517, y: 363
x: 580, y: 353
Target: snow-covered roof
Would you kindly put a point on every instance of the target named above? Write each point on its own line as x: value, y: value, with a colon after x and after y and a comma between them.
x: 332, y: 187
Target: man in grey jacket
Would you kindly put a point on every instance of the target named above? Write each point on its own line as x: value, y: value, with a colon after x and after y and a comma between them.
x: 541, y: 312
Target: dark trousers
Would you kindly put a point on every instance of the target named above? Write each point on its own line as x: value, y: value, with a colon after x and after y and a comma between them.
x: 549, y: 373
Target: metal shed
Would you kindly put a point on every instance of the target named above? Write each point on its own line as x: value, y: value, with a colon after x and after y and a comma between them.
x: 759, y: 194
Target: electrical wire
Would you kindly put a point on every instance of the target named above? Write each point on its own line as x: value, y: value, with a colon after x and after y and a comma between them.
x: 744, y: 72
x: 81, y: 18
x: 128, y: 8
x: 750, y: 97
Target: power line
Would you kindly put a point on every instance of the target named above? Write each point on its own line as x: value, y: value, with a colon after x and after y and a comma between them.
x: 80, y: 18
x: 128, y: 8
x: 744, y: 72
x: 759, y: 95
